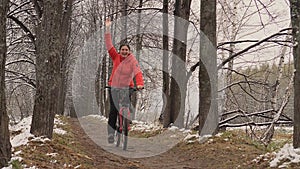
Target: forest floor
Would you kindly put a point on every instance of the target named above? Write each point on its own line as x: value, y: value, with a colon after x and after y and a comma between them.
x: 81, y: 149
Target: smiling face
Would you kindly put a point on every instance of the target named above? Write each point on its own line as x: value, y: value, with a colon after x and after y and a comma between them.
x: 124, y: 50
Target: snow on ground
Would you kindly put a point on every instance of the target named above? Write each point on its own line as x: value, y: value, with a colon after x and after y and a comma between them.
x: 282, y: 158
x: 190, y: 138
x: 101, y: 118
x: 24, y: 136
x: 136, y: 125
x: 144, y: 126
x: 286, y: 129
x: 288, y: 154
x: 24, y: 128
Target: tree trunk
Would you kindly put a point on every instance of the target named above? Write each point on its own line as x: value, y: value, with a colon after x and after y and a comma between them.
x: 101, y: 73
x: 124, y: 22
x: 179, y: 76
x: 104, y: 73
x: 103, y: 84
x: 295, y: 18
x: 98, y: 92
x: 5, y: 146
x: 138, y: 54
x: 232, y: 37
x: 165, y: 115
x: 48, y: 72
x: 206, y: 88
x: 72, y: 110
x: 65, y: 56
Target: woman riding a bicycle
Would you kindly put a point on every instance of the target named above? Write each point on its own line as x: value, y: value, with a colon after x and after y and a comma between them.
x: 125, y: 68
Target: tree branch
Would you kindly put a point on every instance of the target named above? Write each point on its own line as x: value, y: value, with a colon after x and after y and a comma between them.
x: 254, y: 124
x: 37, y: 8
x: 23, y: 77
x: 19, y: 61
x: 252, y: 46
x: 134, y: 9
x: 26, y: 30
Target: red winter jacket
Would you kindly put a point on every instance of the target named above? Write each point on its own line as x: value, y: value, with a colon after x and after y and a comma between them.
x: 124, y: 69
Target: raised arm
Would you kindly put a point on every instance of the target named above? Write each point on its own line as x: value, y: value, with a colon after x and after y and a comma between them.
x: 107, y: 24
x: 108, y: 42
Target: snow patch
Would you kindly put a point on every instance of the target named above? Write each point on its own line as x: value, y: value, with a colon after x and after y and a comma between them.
x: 52, y: 154
x: 286, y: 153
x: 144, y: 126
x: 21, y: 136
x: 204, y: 138
x: 190, y: 138
x: 173, y: 128
x: 101, y: 118
x: 23, y: 128
x: 59, y: 131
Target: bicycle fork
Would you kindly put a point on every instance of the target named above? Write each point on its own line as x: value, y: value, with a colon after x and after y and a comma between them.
x: 123, y: 113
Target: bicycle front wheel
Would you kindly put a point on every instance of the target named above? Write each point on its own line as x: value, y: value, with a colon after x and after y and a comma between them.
x: 118, y: 137
x: 125, y: 133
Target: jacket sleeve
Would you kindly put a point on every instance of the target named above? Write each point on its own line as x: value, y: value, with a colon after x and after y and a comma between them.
x: 110, y: 47
x: 138, y: 73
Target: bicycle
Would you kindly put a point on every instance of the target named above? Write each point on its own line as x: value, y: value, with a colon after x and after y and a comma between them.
x: 123, y: 120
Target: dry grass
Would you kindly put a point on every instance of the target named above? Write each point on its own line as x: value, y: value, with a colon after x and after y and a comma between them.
x: 233, y: 149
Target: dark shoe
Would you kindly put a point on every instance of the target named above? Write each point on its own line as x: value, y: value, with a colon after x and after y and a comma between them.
x: 111, y: 138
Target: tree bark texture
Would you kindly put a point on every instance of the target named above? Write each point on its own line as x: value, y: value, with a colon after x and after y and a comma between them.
x: 5, y: 146
x: 178, y: 87
x: 295, y: 18
x: 206, y: 88
x: 48, y: 63
x: 65, y: 55
x: 165, y: 116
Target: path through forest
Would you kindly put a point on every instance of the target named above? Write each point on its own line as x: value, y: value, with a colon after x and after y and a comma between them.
x: 96, y: 129
x: 216, y: 153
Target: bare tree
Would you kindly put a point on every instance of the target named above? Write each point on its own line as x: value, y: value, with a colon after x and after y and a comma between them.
x: 295, y: 18
x: 208, y: 27
x: 65, y: 54
x: 232, y: 37
x: 178, y: 88
x: 124, y: 11
x: 5, y: 146
x: 256, y: 96
x: 139, y: 47
x: 166, y: 76
x: 20, y: 75
x: 49, y: 47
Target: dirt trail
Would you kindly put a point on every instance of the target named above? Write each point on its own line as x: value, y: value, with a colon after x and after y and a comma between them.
x: 96, y: 129
x: 215, y: 154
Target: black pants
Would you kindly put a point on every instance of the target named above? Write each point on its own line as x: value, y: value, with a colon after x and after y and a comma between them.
x: 114, y: 96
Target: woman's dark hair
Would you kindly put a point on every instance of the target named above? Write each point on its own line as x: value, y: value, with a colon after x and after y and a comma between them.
x: 124, y: 45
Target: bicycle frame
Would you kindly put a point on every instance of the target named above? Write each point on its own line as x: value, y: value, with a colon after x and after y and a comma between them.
x: 123, y: 121
x: 124, y: 113
x: 123, y: 128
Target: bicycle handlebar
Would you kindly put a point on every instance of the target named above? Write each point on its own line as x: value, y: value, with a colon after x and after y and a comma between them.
x: 134, y: 88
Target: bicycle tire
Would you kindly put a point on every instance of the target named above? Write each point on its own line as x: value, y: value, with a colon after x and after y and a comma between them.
x: 118, y: 131
x: 125, y: 133
x: 118, y: 137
